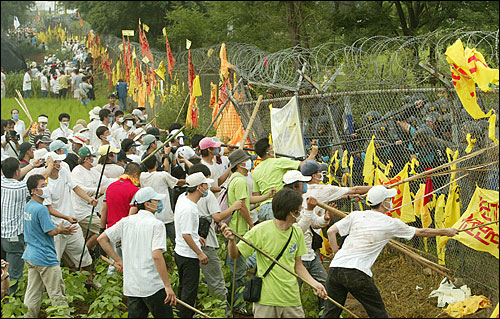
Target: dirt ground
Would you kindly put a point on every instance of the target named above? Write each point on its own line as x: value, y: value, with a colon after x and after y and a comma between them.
x: 396, y: 278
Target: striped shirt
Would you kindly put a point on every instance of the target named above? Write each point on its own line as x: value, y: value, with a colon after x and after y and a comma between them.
x: 32, y: 136
x: 14, y: 195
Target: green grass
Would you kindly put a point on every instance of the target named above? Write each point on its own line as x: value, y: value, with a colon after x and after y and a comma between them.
x: 52, y: 108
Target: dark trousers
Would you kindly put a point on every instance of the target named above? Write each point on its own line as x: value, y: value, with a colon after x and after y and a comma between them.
x: 140, y: 307
x: 62, y: 93
x: 189, y: 277
x: 340, y: 281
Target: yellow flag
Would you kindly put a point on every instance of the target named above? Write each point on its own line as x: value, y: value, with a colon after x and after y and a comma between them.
x: 491, y: 128
x: 344, y: 159
x: 161, y: 71
x: 196, y: 86
x: 471, y: 142
x: 494, y: 314
x: 439, y: 222
x: 469, y: 68
x: 450, y: 216
x: 145, y: 27
x: 483, y: 208
x: 388, y: 168
x: 164, y: 31
x: 368, y: 169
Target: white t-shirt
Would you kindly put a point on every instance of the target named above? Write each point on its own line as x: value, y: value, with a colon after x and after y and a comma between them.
x: 10, y: 147
x: 60, y: 196
x: 110, y: 171
x: 44, y: 83
x: 120, y: 134
x: 141, y: 234
x: 54, y: 84
x: 186, y: 222
x: 59, y: 132
x: 215, y: 172
x: 4, y: 78
x: 310, y: 219
x: 27, y: 82
x: 369, y: 232
x: 207, y: 206
x: 20, y: 128
x: 135, y: 158
x: 160, y: 182
x: 87, y: 179
x: 92, y: 126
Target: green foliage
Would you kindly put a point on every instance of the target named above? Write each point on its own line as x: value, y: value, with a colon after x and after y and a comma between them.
x: 13, y: 307
x: 20, y: 9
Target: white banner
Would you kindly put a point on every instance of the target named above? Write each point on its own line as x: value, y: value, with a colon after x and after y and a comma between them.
x: 16, y: 23
x: 285, y: 129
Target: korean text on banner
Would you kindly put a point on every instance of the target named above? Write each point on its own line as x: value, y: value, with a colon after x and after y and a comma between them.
x: 285, y: 128
x: 483, y: 208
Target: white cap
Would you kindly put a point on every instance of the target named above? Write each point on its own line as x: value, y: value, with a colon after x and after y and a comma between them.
x: 94, y: 113
x: 186, y: 152
x: 293, y: 176
x: 138, y: 133
x: 196, y: 179
x: 138, y: 113
x: 377, y: 194
x: 39, y: 153
x: 55, y: 156
x: 146, y: 194
x: 78, y: 138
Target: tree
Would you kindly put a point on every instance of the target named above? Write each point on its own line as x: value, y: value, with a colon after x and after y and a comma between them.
x: 20, y: 9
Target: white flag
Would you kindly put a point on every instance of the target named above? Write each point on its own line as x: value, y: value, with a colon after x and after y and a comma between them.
x: 286, y: 131
x: 16, y: 23
x: 188, y: 44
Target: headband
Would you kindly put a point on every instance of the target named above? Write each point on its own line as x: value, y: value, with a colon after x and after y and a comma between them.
x: 43, y: 119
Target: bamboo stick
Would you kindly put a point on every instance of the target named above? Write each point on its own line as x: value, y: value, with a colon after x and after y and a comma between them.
x: 432, y: 170
x: 249, y: 127
x: 107, y: 260
x: 478, y: 226
x: 288, y: 270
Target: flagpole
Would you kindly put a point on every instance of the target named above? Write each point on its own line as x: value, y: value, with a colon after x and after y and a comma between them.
x: 478, y: 226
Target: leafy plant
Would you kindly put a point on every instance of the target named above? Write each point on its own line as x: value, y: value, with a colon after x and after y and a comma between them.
x: 13, y: 307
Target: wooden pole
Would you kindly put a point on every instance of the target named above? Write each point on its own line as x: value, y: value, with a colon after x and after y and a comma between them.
x: 432, y: 170
x: 289, y: 271
x: 249, y: 127
x: 182, y: 303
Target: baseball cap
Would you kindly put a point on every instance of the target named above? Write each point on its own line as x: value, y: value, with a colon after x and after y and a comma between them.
x: 146, y: 194
x: 147, y: 140
x: 39, y: 154
x: 311, y: 166
x: 237, y: 157
x: 138, y: 133
x: 207, y: 142
x: 196, y: 179
x: 78, y: 128
x: 78, y: 138
x: 138, y: 113
x: 94, y: 113
x: 186, y: 152
x: 23, y: 148
x: 179, y: 136
x: 293, y: 176
x: 57, y: 145
x: 153, y: 131
x: 85, y: 151
x: 55, y: 157
x: 104, y: 148
x: 128, y: 143
x: 377, y: 194
x: 123, y: 157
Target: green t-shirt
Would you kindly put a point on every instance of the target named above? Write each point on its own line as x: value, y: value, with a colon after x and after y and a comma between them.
x: 238, y: 189
x: 279, y: 287
x: 269, y: 174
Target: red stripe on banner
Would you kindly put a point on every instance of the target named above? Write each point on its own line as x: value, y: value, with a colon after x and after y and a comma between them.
x: 472, y: 94
x: 455, y: 77
x: 462, y: 71
x: 472, y: 58
x: 473, y: 70
x: 454, y: 83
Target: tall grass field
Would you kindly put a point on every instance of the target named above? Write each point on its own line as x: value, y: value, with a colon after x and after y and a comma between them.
x: 52, y: 108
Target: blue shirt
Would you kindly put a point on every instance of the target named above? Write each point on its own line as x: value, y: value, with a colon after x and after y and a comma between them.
x: 121, y: 88
x: 40, y: 249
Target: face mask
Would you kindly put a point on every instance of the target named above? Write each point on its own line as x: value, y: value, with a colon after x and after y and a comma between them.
x: 15, y: 116
x: 304, y: 187
x: 298, y: 217
x: 221, y: 151
x: 120, y: 120
x: 248, y: 165
x: 390, y: 206
x: 66, y: 152
x: 129, y: 123
x: 115, y: 159
x: 108, y: 138
x: 44, y: 195
x: 216, y: 152
x: 205, y: 193
x: 160, y: 207
x: 146, y: 117
x: 94, y: 162
x: 43, y: 126
x: 64, y: 125
x: 111, y: 119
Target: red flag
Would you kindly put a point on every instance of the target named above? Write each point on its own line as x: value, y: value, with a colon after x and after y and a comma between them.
x: 80, y: 18
x: 124, y: 52
x: 170, y: 59
x: 138, y: 73
x: 191, y: 75
x: 143, y: 41
x: 429, y: 188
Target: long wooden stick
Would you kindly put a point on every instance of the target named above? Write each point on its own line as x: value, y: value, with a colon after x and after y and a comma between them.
x: 434, y: 191
x: 288, y: 270
x: 440, y: 167
x: 107, y: 260
x: 421, y: 260
x: 478, y: 226
x: 249, y: 127
x: 472, y: 168
x: 23, y: 103
x: 24, y: 110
